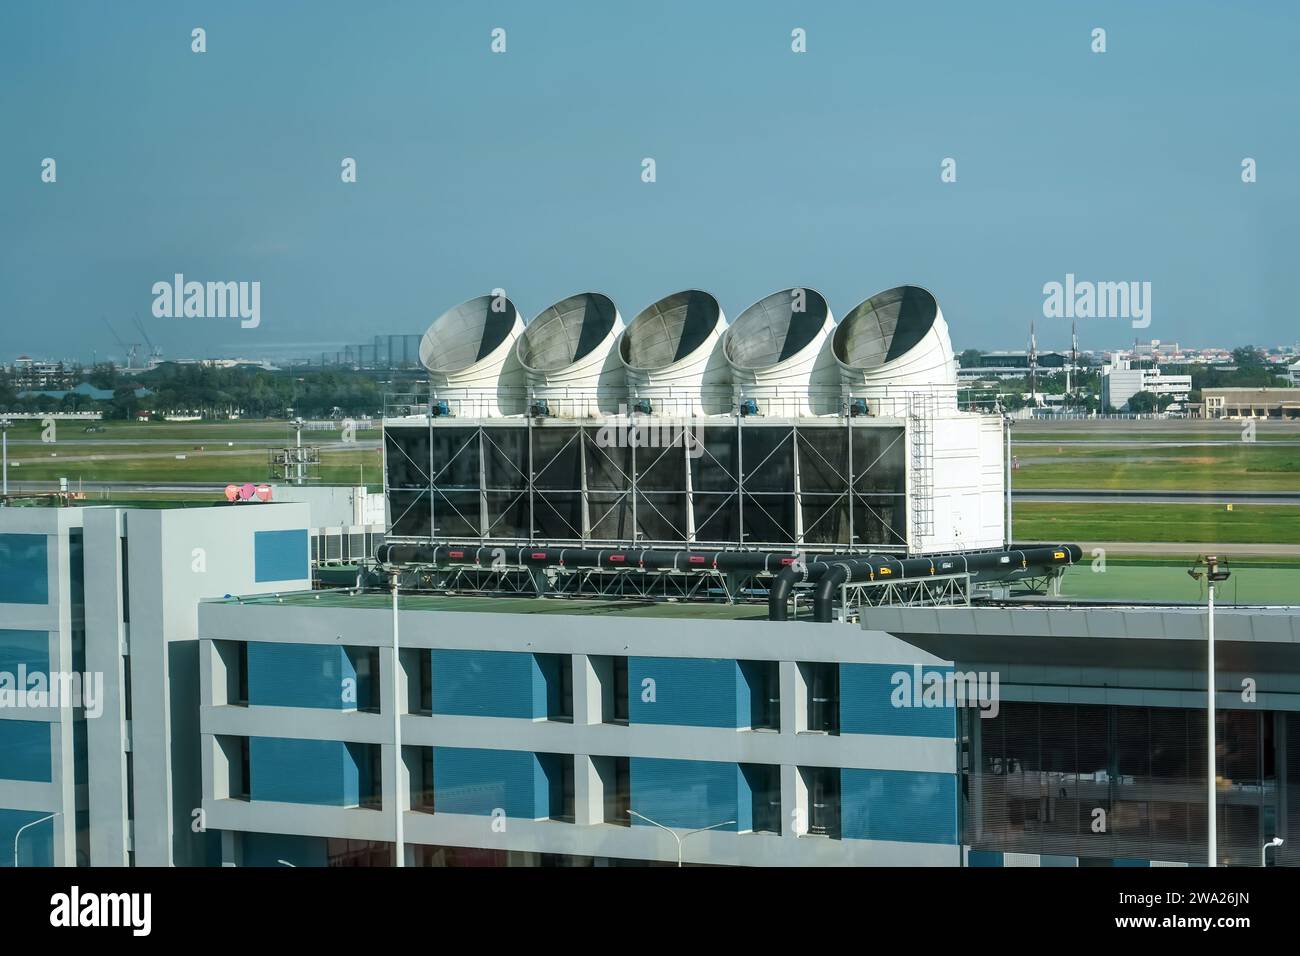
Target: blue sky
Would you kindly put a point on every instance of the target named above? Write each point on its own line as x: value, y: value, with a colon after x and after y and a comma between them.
x: 523, y: 170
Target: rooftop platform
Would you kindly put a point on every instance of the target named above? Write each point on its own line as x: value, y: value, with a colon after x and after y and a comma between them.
x: 695, y: 610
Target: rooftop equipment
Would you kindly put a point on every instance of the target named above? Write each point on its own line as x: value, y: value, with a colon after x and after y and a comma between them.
x: 469, y: 352
x: 569, y: 359
x: 673, y: 358
x: 894, y: 351
x: 777, y: 353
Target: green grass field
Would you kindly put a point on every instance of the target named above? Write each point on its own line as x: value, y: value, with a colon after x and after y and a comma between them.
x: 148, y: 452
x: 1253, y: 524
x: 1252, y: 582
x: 1240, y: 467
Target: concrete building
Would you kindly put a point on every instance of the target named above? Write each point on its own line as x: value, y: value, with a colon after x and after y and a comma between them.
x: 531, y: 727
x: 1121, y: 380
x: 111, y: 595
x: 1251, y: 402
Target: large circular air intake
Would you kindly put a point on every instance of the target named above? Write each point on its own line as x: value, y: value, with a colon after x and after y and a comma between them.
x: 776, y: 351
x: 894, y: 350
x: 469, y: 354
x: 672, y: 357
x: 568, y: 356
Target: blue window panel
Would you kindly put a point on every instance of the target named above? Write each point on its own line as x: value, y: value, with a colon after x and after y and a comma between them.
x: 690, y: 794
x: 688, y: 692
x: 280, y: 555
x: 288, y: 770
x: 493, y: 683
x: 24, y: 570
x: 899, y: 805
x: 1048, y: 859
x: 984, y: 858
x: 300, y: 675
x: 268, y: 849
x: 27, y: 648
x: 883, y: 699
x: 479, y: 782
x: 25, y: 750
x: 35, y: 844
x: 1140, y: 864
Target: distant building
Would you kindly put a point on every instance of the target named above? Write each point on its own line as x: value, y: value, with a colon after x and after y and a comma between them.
x: 1120, y: 381
x: 1011, y: 365
x: 28, y: 373
x: 1293, y: 373
x: 1252, y: 402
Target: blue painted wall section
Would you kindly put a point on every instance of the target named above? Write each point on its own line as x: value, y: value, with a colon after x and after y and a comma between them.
x: 300, y: 675
x: 523, y: 784
x: 496, y: 683
x: 898, y: 805
x: 30, y: 649
x: 280, y: 555
x: 24, y: 570
x: 324, y: 772
x: 25, y: 750
x: 689, y: 794
x: 869, y: 698
x: 35, y: 844
x: 689, y: 692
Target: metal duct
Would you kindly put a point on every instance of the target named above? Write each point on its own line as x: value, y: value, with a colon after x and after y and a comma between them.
x: 569, y: 359
x: 777, y: 352
x: 672, y: 355
x: 894, y: 351
x: 469, y: 352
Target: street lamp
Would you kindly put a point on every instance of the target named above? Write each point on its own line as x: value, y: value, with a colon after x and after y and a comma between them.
x: 676, y: 836
x: 5, y: 425
x: 1263, y: 851
x: 1213, y: 574
x: 48, y: 816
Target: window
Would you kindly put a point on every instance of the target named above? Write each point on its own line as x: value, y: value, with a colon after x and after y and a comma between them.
x: 764, y: 683
x: 765, y: 786
x: 620, y: 690
x: 823, y: 789
x: 616, y: 778
x: 822, y: 697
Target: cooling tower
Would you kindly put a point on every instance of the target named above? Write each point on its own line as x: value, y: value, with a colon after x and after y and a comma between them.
x: 469, y: 352
x: 894, y: 351
x: 777, y: 350
x: 672, y: 355
x: 569, y: 359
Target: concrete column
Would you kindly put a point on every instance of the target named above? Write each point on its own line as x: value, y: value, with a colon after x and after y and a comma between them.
x: 105, y: 643
x: 593, y: 689
x: 794, y: 820
x: 588, y: 790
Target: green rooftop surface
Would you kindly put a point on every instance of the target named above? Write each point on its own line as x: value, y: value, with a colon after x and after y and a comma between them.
x: 710, y: 610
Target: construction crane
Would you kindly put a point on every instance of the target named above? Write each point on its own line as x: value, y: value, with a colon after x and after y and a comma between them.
x: 155, y: 353
x: 130, y: 350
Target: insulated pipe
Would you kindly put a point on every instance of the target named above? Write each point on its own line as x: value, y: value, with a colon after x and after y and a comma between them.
x: 995, y: 565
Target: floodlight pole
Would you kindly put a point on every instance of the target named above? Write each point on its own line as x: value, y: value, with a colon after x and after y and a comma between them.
x: 4, y: 443
x: 1212, y: 763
